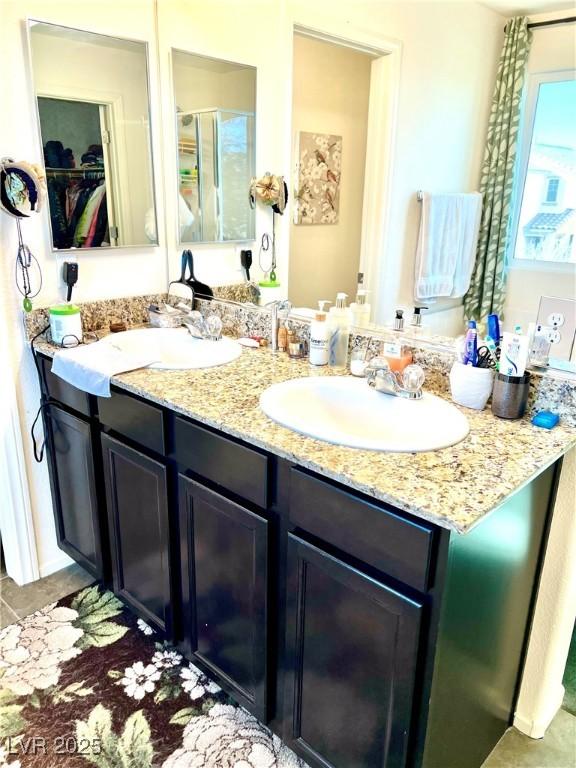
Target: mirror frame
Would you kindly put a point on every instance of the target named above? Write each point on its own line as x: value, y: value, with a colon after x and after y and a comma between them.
x: 30, y: 22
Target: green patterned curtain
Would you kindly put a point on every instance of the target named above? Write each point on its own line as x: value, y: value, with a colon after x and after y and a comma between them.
x: 487, y: 288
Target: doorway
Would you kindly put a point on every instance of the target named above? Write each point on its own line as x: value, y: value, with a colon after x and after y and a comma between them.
x: 330, y: 100
x: 344, y: 98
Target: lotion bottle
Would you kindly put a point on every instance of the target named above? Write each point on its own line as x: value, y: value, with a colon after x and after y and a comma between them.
x: 360, y: 310
x: 320, y: 334
x: 339, y: 321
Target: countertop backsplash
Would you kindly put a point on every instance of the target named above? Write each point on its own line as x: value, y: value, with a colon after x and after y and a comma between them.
x: 548, y: 391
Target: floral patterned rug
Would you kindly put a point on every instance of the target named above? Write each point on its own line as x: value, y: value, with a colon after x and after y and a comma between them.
x: 83, y: 682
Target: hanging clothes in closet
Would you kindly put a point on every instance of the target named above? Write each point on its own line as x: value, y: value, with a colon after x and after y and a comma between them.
x: 77, y: 197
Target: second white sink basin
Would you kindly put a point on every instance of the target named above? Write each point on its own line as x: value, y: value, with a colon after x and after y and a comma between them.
x: 175, y: 349
x: 344, y: 410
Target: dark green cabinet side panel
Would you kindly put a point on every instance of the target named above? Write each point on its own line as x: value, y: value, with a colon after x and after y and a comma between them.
x: 487, y: 606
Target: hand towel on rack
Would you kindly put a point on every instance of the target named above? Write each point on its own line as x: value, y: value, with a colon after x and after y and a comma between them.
x: 91, y: 366
x: 447, y: 241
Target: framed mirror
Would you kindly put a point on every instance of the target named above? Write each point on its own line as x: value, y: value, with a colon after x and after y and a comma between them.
x: 215, y: 108
x: 94, y: 121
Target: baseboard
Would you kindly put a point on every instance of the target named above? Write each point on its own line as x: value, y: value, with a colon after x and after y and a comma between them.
x: 537, y: 728
x: 63, y: 561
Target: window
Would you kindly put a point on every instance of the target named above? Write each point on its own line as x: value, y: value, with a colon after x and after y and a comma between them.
x: 545, y: 215
x: 552, y: 191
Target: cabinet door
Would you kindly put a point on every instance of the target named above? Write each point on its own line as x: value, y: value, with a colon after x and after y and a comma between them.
x: 225, y: 591
x: 137, y: 500
x: 352, y: 647
x: 74, y: 494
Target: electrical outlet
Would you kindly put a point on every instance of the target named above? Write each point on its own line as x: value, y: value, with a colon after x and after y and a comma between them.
x: 556, y: 318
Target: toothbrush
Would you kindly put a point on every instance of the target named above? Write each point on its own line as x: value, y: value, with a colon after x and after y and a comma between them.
x: 492, y: 349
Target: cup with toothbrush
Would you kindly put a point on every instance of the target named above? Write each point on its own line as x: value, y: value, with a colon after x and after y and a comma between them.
x: 472, y: 374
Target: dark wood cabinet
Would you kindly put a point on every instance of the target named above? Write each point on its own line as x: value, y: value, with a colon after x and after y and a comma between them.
x: 137, y: 502
x: 73, y: 479
x: 364, y: 636
x: 352, y: 652
x: 225, y: 591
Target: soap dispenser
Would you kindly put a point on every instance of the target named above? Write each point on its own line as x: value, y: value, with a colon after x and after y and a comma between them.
x: 320, y: 333
x: 399, y: 320
x: 339, y: 319
x: 360, y: 310
x: 417, y: 316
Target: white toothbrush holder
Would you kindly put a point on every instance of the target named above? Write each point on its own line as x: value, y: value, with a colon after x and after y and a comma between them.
x: 470, y: 386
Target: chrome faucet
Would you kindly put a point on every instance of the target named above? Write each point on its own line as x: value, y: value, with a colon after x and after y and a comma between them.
x: 275, y: 307
x: 209, y: 328
x: 383, y: 379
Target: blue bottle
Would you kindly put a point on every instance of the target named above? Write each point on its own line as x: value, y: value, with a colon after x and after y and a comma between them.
x: 471, y: 344
x: 493, y: 329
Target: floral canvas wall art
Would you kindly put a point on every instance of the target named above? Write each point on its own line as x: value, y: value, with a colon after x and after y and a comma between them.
x: 318, y: 177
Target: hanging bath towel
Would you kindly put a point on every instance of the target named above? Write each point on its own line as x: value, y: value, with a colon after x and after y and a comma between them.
x: 447, y: 243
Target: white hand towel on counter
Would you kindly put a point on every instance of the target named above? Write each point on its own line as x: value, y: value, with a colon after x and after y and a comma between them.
x: 91, y: 366
x: 447, y: 241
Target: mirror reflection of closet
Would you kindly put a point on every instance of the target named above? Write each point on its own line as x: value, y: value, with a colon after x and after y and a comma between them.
x: 72, y: 132
x: 94, y: 119
x: 215, y: 119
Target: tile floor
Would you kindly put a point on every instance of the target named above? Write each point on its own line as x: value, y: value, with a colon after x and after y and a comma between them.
x: 556, y: 750
x: 17, y: 602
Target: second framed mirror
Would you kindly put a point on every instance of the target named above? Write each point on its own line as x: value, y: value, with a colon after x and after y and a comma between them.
x: 215, y: 106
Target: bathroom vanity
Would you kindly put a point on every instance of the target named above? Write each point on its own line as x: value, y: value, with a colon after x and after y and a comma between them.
x: 366, y: 632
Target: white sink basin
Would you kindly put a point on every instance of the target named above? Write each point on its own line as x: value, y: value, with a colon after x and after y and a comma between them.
x: 175, y: 349
x: 344, y: 410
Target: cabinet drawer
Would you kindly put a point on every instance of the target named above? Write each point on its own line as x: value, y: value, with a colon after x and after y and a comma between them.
x: 368, y: 531
x: 235, y: 467
x: 141, y: 422
x: 65, y: 393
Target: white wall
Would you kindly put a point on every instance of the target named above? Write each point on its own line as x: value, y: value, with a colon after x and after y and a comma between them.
x: 251, y: 33
x: 330, y: 95
x: 104, y: 273
x: 552, y: 49
x: 201, y: 83
x: 450, y: 54
x: 449, y: 57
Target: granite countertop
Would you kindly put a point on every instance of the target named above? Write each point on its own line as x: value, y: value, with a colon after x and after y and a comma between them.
x: 453, y: 487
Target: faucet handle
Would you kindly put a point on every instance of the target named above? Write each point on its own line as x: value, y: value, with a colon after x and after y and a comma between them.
x: 378, y: 363
x: 413, y: 377
x: 213, y: 327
